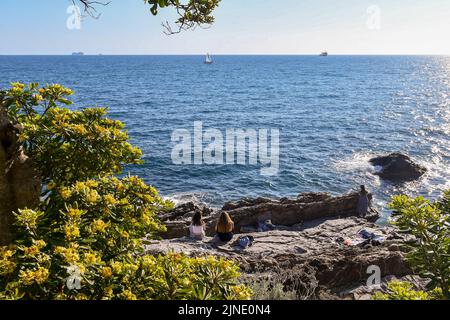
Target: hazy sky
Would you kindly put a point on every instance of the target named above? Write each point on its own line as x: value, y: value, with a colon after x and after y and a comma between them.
x: 242, y: 27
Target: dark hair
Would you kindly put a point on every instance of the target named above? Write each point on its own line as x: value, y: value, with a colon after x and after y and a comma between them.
x: 197, y: 219
x: 363, y: 188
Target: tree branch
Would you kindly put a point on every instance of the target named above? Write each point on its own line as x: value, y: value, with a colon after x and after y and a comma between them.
x: 89, y: 7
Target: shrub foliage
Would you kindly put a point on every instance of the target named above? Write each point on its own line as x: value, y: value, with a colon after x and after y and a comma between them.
x: 429, y: 254
x: 86, y: 238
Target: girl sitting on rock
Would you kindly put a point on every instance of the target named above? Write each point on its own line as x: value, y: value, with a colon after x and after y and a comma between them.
x: 197, y: 227
x: 225, y: 227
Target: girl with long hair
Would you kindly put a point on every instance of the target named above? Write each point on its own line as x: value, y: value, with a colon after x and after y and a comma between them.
x: 225, y: 227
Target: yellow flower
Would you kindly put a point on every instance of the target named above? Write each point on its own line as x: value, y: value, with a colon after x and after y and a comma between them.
x: 80, y: 187
x: 30, y: 276
x: 148, y: 221
x: 31, y: 251
x: 148, y: 262
x: 70, y: 254
x: 101, y: 130
x: 117, y: 267
x: 79, y: 129
x: 129, y: 267
x: 38, y: 97
x: 65, y: 193
x: 109, y: 199
x: 6, y: 265
x: 128, y: 295
x: 91, y: 258
x: 92, y: 196
x: 28, y: 218
x: 41, y: 275
x: 125, y: 234
x: 92, y: 184
x: 109, y: 292
x: 75, y: 213
x: 17, y: 86
x: 71, y: 231
x: 148, y: 198
x: 100, y: 226
x: 40, y: 243
x: 6, y: 252
x: 107, y: 272
x: 23, y: 137
x: 51, y: 186
x: 241, y: 292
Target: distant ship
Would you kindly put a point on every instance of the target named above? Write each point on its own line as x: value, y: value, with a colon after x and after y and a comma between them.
x: 78, y: 54
x: 324, y: 54
x: 208, y: 59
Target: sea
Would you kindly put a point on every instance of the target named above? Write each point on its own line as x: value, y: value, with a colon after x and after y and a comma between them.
x: 332, y: 113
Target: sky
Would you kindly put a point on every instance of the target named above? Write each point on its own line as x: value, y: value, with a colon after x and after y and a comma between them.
x: 241, y: 27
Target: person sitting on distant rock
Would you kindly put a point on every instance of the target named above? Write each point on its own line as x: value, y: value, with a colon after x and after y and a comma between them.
x: 363, y: 202
x: 266, y: 225
x: 225, y: 227
x: 197, y: 227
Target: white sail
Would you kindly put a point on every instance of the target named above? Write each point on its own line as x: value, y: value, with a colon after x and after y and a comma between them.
x: 208, y: 59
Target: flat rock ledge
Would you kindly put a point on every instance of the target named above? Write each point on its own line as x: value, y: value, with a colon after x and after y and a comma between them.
x: 313, y: 257
x: 285, y: 213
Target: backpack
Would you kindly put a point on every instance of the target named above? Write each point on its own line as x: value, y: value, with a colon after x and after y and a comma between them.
x: 245, y: 241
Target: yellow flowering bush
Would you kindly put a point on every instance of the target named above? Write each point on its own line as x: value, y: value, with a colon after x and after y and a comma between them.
x: 429, y: 254
x: 400, y: 290
x: 429, y: 223
x: 108, y: 266
x: 66, y: 145
x: 85, y: 238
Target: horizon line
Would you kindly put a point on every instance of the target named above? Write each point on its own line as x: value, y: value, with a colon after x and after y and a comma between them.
x: 225, y: 54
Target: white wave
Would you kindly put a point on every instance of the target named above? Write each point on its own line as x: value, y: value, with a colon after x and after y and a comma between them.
x: 357, y: 162
x: 195, y: 197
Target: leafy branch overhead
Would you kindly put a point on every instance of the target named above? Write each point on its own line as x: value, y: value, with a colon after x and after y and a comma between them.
x: 191, y: 13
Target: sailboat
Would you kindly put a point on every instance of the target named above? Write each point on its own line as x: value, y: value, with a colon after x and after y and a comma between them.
x: 208, y: 59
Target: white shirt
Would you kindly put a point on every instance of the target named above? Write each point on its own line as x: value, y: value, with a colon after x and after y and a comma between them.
x: 196, y: 231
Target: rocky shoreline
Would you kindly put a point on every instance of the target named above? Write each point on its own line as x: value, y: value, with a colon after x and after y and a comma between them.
x: 314, y: 248
x: 315, y: 241
x: 286, y: 213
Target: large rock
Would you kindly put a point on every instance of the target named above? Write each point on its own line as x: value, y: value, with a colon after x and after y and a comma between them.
x: 285, y: 213
x: 315, y: 249
x: 398, y: 167
x: 178, y: 220
x: 19, y: 184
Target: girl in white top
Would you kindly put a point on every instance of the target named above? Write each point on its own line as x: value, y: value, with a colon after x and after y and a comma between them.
x: 197, y: 227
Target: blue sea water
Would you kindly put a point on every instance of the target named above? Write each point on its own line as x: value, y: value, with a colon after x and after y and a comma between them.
x: 333, y: 114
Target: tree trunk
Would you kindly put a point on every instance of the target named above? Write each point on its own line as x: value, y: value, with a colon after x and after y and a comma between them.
x: 19, y: 184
